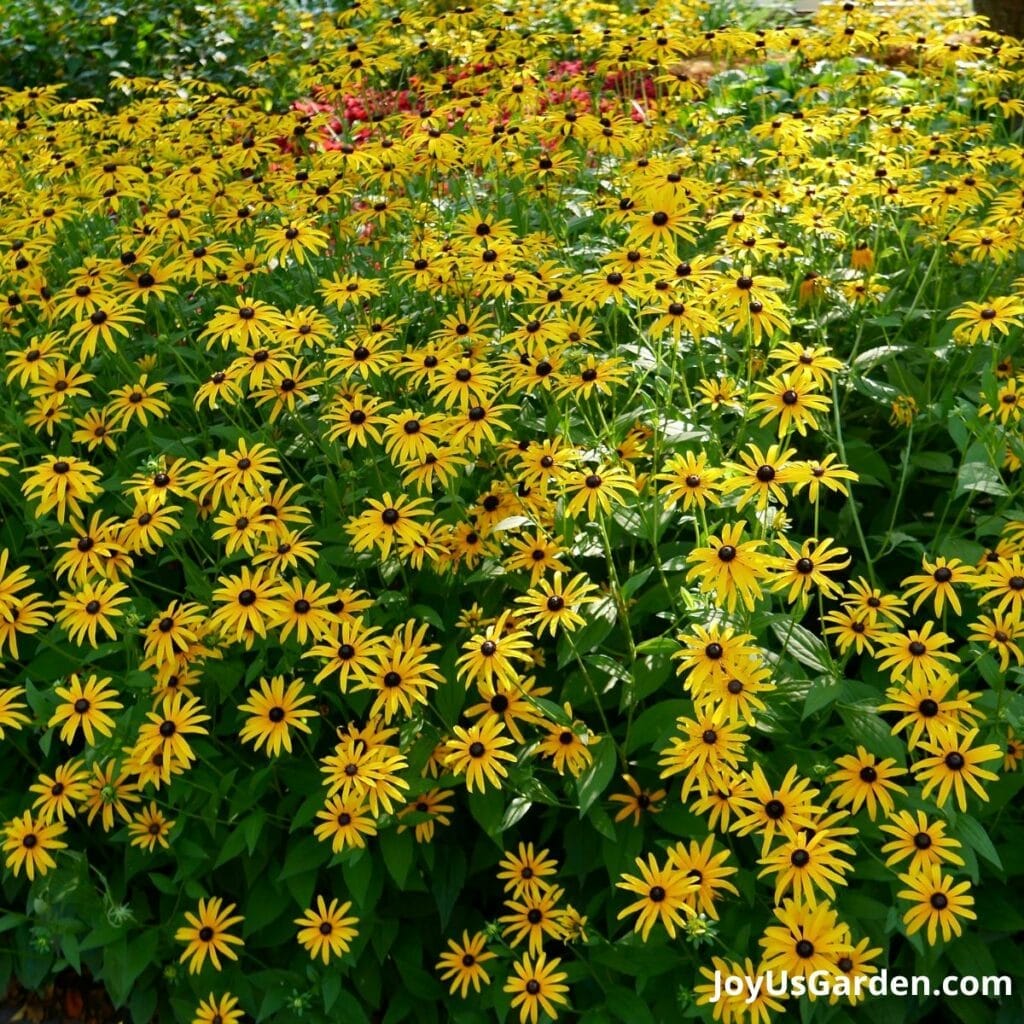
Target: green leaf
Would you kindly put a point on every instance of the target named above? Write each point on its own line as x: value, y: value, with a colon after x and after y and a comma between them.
x: 802, y: 644
x: 970, y: 831
x: 397, y: 850
x: 594, y: 781
x: 488, y: 808
x: 821, y: 695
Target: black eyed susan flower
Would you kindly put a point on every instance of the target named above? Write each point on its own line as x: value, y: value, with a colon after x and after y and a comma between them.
x: 665, y: 895
x: 244, y: 325
x: 57, y: 794
x: 84, y: 706
x: 534, y: 918
x: 178, y: 717
x: 386, y: 521
x: 551, y: 604
x: 760, y: 475
x: 402, y: 676
x: 537, y: 554
x: 827, y: 473
x: 345, y: 822
x: 246, y: 602
x: 488, y: 657
x: 870, y: 603
x: 109, y: 791
x: 461, y: 963
x: 793, y: 400
x: 149, y: 827
x: 931, y: 708
x: 478, y: 753
x: 806, y: 568
x: 937, y: 904
x: 709, y: 871
x: 917, y: 653
x: 350, y: 648
x: 568, y: 746
x: 1003, y: 582
x: 429, y: 810
x: 537, y: 985
x: 85, y: 612
x: 865, y: 780
x: 853, y: 967
x: 730, y: 795
x: 638, y: 802
x: 731, y: 568
x: 12, y: 710
x: 366, y: 766
x: 709, y: 747
x: 599, y: 489
x: 804, y: 865
x: 302, y: 607
x: 979, y: 318
x: 782, y: 809
x: 953, y: 765
x: 525, y: 873
x: 29, y: 844
x: 61, y: 483
x: 1001, y: 634
x: 689, y: 481
x: 759, y: 1009
x: 218, y: 1010
x: 924, y: 842
x: 327, y: 931
x: 206, y: 934
x: 807, y: 939
x: 272, y: 711
x: 938, y: 581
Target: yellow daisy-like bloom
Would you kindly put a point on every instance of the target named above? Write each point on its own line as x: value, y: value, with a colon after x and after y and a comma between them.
x: 979, y: 318
x: 805, y: 865
x: 807, y: 939
x: 326, y: 931
x: 478, y: 753
x: 917, y: 653
x: 793, y: 400
x: 926, y: 843
x: 938, y: 904
x: 218, y: 1010
x: 345, y: 821
x: 954, y: 764
x: 938, y: 581
x: 805, y: 568
x: 150, y: 827
x: 61, y: 483
x: 489, y: 656
x: 28, y: 844
x: 550, y: 604
x: 85, y: 612
x: 272, y: 710
x: 57, y: 794
x: 665, y: 895
x: 568, y: 746
x: 387, y: 521
x: 599, y: 489
x: 536, y: 985
x: 526, y: 872
x: 864, y: 780
x: 12, y: 710
x: 730, y: 568
x: 84, y: 705
x: 460, y: 964
x: 206, y: 934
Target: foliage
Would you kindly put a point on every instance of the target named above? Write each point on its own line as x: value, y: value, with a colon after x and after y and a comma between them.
x: 559, y: 438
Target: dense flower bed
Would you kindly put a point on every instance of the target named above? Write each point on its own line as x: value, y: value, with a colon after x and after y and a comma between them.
x: 512, y: 512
